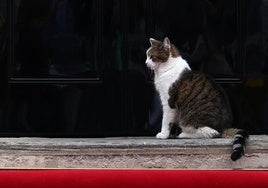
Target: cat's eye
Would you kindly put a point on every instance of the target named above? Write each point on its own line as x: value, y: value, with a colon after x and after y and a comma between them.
x: 154, y: 58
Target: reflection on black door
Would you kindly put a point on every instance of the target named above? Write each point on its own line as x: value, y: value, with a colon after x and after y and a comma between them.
x: 76, y: 67
x: 54, y: 38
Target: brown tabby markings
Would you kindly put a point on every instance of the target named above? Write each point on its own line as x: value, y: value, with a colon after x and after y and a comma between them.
x: 199, y: 102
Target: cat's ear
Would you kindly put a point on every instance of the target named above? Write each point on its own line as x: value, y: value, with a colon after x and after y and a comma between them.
x: 154, y: 42
x: 166, y: 43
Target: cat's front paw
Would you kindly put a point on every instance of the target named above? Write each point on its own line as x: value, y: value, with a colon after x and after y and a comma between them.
x: 162, y: 135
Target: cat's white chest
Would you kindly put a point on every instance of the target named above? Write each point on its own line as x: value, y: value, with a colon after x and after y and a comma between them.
x: 164, y: 81
x: 167, y: 74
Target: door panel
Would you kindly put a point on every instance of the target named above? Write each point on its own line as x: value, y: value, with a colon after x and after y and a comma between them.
x: 206, y: 33
x: 54, y: 110
x: 76, y: 67
x: 54, y: 38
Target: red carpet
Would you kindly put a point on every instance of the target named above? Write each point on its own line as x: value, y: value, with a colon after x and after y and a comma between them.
x: 132, y: 178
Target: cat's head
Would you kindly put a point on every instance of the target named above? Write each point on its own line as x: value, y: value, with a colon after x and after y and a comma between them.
x: 160, y: 52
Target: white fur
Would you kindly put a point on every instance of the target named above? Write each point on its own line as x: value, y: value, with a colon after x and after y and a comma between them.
x: 165, y: 75
x: 201, y: 132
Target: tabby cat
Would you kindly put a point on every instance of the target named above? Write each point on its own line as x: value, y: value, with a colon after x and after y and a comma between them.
x: 192, y: 101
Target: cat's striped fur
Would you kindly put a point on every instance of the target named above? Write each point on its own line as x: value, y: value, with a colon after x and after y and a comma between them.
x: 191, y: 101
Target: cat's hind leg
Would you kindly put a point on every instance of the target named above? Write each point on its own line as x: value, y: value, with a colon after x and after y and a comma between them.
x: 207, y: 132
x: 175, y: 130
x: 201, y: 132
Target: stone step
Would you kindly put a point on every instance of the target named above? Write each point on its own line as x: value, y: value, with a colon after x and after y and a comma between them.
x: 130, y: 152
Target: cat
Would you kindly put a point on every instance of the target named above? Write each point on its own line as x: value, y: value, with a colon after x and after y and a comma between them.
x: 190, y: 100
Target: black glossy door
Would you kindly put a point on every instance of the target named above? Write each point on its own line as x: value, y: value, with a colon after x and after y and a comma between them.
x: 206, y: 32
x: 76, y: 67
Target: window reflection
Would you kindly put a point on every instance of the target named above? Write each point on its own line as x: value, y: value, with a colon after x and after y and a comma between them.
x: 3, y: 30
x: 256, y: 49
x: 204, y: 31
x: 54, y: 110
x: 256, y: 65
x: 265, y: 31
x: 255, y: 37
x: 55, y: 38
x: 3, y: 52
x: 138, y: 90
x: 138, y: 32
x: 112, y: 39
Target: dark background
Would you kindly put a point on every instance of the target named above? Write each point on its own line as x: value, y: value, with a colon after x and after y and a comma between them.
x: 76, y: 67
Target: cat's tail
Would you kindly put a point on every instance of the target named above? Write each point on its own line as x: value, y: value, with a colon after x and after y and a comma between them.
x: 239, y: 143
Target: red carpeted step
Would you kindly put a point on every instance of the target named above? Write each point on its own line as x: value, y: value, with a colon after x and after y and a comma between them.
x: 129, y: 178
